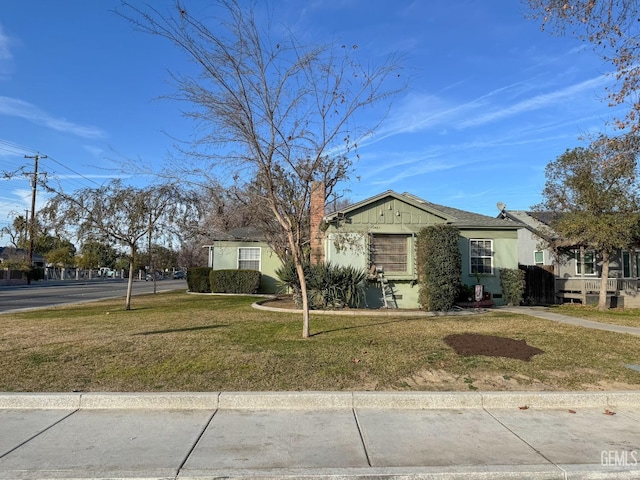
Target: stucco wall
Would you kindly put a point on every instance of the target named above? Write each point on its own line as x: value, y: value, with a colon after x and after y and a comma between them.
x: 505, y: 255
x: 225, y: 256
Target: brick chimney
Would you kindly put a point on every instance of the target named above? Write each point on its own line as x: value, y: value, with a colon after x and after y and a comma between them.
x: 317, y: 214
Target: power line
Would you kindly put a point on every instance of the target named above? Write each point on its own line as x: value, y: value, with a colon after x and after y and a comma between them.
x: 12, y: 147
x: 74, y: 172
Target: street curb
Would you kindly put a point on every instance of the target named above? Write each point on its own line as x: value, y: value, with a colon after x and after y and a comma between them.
x: 317, y: 400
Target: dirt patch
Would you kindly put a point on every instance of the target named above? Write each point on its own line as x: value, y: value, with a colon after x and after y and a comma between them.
x: 469, y: 344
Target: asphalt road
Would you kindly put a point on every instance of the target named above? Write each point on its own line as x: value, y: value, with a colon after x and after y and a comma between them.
x: 51, y: 293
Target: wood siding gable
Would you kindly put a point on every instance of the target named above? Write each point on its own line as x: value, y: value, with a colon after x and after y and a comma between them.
x: 389, y: 213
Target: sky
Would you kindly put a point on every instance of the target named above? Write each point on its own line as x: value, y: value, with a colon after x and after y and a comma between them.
x: 491, y: 99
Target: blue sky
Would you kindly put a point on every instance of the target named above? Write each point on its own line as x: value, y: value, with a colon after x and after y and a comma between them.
x: 491, y: 100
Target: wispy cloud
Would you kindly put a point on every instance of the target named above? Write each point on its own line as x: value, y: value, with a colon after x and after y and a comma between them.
x: 5, y: 52
x: 417, y: 170
x: 21, y: 109
x: 419, y: 112
x: 538, y: 102
x: 5, y: 55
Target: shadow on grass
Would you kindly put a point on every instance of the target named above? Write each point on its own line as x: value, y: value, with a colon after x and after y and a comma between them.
x: 388, y: 322
x: 178, y: 330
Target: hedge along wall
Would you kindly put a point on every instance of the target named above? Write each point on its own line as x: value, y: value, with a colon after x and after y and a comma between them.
x: 234, y: 281
x: 439, y: 267
x: 198, y: 280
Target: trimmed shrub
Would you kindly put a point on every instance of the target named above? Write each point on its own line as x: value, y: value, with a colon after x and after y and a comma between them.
x: 513, y: 283
x: 328, y: 286
x: 35, y: 273
x: 439, y: 267
x: 198, y: 280
x: 234, y: 281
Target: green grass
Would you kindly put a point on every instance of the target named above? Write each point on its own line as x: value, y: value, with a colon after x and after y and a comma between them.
x: 180, y: 342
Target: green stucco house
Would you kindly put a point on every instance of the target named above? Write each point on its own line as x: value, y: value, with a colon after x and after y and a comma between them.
x: 379, y: 235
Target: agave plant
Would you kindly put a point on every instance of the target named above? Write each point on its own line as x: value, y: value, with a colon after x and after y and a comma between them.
x: 328, y: 286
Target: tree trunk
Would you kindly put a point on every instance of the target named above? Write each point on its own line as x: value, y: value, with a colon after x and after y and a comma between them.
x: 305, y: 300
x: 604, y: 277
x: 127, y: 304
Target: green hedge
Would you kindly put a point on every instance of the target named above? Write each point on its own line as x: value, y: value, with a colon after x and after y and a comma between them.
x: 513, y: 285
x: 234, y: 281
x: 439, y: 267
x: 198, y: 279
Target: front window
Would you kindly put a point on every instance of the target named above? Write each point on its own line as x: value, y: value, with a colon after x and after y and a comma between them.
x: 538, y: 257
x: 249, y: 258
x: 589, y: 262
x: 481, y: 255
x: 631, y: 269
x: 390, y: 253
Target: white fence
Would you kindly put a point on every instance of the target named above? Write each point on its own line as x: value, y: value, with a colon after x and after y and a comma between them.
x: 619, y: 286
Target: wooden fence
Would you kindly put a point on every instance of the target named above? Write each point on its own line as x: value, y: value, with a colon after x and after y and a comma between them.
x: 539, y: 284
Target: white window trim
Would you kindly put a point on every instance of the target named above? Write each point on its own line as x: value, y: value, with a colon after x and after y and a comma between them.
x: 259, y: 249
x: 491, y: 257
x: 534, y: 257
x: 578, y: 262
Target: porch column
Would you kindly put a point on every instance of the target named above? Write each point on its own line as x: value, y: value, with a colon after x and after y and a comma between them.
x: 584, y: 285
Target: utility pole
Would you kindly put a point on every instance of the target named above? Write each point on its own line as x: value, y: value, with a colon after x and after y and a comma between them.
x: 34, y: 186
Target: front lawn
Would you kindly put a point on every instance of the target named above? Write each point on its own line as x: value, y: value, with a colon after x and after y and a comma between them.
x: 181, y: 342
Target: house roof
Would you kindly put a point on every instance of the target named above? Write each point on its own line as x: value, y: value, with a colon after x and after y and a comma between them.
x: 452, y: 216
x: 539, y: 224
x: 243, y: 234
x: 528, y: 218
x: 7, y: 252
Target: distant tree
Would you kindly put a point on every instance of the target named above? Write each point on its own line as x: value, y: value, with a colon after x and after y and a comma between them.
x: 612, y: 27
x: 278, y: 113
x: 118, y: 213
x: 162, y: 258
x: 96, y: 254
x: 62, y: 255
x: 593, y: 196
x: 17, y: 232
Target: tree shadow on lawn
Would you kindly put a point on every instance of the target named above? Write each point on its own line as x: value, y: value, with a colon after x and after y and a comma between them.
x: 388, y: 322
x: 470, y: 344
x: 178, y: 330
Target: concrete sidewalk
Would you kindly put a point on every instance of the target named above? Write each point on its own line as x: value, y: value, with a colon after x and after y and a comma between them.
x: 474, y: 435
x: 545, y: 313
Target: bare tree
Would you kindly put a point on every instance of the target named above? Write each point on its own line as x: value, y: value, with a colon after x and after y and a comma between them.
x: 116, y: 212
x: 17, y: 232
x: 280, y: 114
x: 612, y: 27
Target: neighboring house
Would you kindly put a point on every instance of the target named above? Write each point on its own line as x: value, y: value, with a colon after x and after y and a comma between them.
x: 245, y: 249
x: 577, y: 270
x: 379, y: 235
x: 9, y: 255
x: 532, y: 247
x: 12, y: 253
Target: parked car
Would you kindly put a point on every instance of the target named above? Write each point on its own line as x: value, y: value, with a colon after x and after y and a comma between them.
x: 149, y: 277
x: 179, y: 274
x: 106, y: 272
